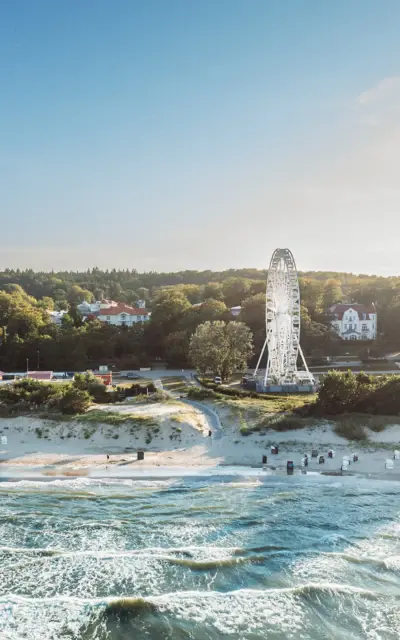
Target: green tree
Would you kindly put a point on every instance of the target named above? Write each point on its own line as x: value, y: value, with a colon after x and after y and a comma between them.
x: 253, y: 312
x: 74, y: 401
x: 177, y: 348
x: 213, y: 290
x: 236, y: 290
x: 46, y: 303
x: 221, y: 348
x: 168, y: 308
x: 77, y: 294
x: 331, y: 294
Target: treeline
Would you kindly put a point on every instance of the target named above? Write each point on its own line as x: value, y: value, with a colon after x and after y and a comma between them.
x: 179, y: 302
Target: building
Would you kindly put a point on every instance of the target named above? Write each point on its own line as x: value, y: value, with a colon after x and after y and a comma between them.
x: 354, y: 321
x: 40, y: 375
x: 56, y: 316
x: 89, y: 308
x: 235, y: 311
x: 116, y: 313
x: 122, y: 315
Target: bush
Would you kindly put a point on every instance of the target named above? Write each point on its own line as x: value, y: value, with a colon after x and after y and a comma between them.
x: 29, y: 391
x: 202, y: 394
x: 350, y: 429
x: 358, y: 393
x: 73, y: 401
x: 98, y: 391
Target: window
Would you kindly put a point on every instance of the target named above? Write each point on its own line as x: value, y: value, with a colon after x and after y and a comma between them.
x: 364, y: 336
x: 364, y: 328
x: 353, y: 337
x: 345, y: 326
x: 108, y: 318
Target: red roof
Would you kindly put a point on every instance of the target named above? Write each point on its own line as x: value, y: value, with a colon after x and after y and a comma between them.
x: 123, y: 308
x: 40, y: 375
x: 339, y: 309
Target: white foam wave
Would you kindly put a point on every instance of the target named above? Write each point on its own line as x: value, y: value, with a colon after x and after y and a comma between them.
x: 281, y: 610
x: 80, y: 483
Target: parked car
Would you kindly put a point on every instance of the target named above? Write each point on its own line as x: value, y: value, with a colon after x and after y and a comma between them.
x: 132, y: 376
x: 217, y: 380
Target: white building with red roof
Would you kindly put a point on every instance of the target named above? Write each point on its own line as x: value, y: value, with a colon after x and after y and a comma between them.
x: 354, y: 321
x: 121, y: 314
x: 116, y: 313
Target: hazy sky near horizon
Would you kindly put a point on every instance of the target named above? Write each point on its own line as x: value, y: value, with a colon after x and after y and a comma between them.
x: 179, y: 134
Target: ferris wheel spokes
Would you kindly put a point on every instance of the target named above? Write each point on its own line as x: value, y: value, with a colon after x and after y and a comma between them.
x: 282, y: 319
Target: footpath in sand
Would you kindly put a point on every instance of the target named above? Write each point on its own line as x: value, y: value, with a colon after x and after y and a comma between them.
x: 176, y: 436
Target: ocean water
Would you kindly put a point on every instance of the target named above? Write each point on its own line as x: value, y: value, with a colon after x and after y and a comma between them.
x: 200, y: 558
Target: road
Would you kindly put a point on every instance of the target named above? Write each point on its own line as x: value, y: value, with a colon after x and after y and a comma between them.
x: 213, y: 420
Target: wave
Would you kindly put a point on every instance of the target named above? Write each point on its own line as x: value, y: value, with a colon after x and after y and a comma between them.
x: 82, y: 482
x: 170, y: 599
x: 284, y: 612
x: 388, y: 562
x: 221, y: 554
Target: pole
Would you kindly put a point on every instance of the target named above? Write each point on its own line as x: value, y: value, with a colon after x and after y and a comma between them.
x: 27, y: 366
x: 261, y: 355
x: 38, y: 360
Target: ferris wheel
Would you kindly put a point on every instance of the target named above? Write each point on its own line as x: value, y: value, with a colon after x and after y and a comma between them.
x: 282, y: 322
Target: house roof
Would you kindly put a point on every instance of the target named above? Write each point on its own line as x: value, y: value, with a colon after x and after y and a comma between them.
x: 123, y: 308
x: 40, y: 375
x: 339, y: 309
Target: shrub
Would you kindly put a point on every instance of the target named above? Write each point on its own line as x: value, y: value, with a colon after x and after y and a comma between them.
x: 74, y: 401
x: 201, y: 394
x: 30, y: 391
x: 348, y: 393
x: 350, y: 429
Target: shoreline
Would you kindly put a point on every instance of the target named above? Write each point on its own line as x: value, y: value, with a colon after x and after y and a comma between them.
x: 151, y: 473
x: 178, y: 444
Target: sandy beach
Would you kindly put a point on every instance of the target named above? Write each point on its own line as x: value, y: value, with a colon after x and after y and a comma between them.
x: 176, y: 437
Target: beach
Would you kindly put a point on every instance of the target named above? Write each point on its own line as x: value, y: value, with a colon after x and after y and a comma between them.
x: 178, y: 438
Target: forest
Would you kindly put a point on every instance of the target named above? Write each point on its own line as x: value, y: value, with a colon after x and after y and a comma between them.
x: 179, y: 303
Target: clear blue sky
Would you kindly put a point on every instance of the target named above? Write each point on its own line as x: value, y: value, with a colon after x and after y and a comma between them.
x: 172, y: 134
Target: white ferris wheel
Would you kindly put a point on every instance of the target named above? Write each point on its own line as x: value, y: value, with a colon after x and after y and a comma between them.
x: 283, y: 323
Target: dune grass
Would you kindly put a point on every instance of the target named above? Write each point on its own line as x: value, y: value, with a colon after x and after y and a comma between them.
x: 115, y: 419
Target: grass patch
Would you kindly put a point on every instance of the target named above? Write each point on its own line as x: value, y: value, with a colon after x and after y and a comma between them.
x: 350, y: 429
x: 176, y: 384
x: 353, y: 425
x: 271, y: 403
x: 115, y: 419
x: 276, y: 423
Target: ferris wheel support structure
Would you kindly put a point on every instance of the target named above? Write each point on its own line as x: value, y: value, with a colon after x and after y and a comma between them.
x: 282, y: 322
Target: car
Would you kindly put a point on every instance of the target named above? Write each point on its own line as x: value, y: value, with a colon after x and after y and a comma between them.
x: 132, y: 376
x: 217, y: 380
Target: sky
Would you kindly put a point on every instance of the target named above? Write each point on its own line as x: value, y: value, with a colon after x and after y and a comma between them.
x: 200, y: 134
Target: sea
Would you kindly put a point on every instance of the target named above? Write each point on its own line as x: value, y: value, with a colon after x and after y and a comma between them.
x: 235, y: 557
